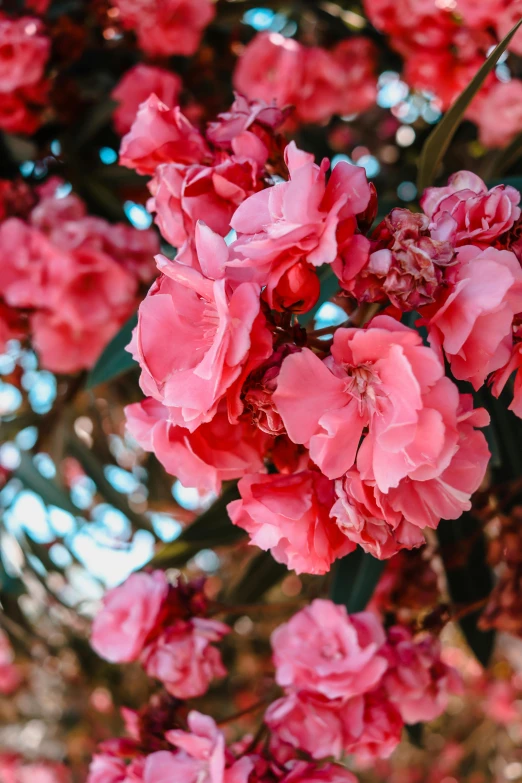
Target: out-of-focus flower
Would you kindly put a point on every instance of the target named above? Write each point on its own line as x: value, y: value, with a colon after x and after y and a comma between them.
x: 10, y: 675
x: 136, y: 85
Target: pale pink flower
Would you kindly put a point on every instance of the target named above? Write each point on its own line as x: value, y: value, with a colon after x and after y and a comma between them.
x: 381, y: 378
x: 107, y: 769
x: 506, y: 19
x: 324, y: 650
x: 216, y: 328
x: 298, y: 219
x: 483, y: 14
x: 481, y: 215
x: 24, y: 50
x: 474, y: 324
x: 165, y: 27
x: 201, y: 756
x: 184, y: 659
x: 244, y: 117
x: 417, y: 682
x: 498, y: 113
x: 128, y: 615
x: 215, y: 452
x: 182, y: 195
x: 289, y: 515
x: 502, y: 703
x: 382, y: 524
x: 134, y: 88
x: 379, y: 731
x: 160, y: 134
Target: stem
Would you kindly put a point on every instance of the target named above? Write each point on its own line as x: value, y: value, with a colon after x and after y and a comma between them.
x: 246, y: 608
x: 253, y: 708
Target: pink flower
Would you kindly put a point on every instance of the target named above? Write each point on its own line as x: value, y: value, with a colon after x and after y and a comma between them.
x: 128, y: 615
x: 270, y: 69
x: 406, y: 264
x: 218, y: 330
x: 10, y: 675
x: 418, y: 682
x: 183, y: 658
x: 107, y: 769
x: 483, y: 14
x: 201, y: 756
x: 323, y: 650
x: 379, y: 732
x: 182, y: 195
x: 24, y: 51
x: 245, y: 119
x: 506, y: 19
x: 381, y: 378
x: 168, y: 26
x: 259, y: 388
x: 215, y: 452
x: 382, y: 524
x: 481, y: 215
x: 161, y: 135
x: 135, y: 87
x: 289, y: 515
x: 498, y: 113
x: 474, y: 324
x: 11, y: 325
x: 304, y: 772
x: 502, y: 376
x: 21, y: 110
x: 298, y: 219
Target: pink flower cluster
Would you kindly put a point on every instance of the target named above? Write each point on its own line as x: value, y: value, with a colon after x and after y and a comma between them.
x: 14, y: 769
x: 73, y: 277
x: 150, y: 620
x: 371, y: 442
x: 350, y: 686
x: 317, y: 82
x: 444, y: 43
x: 165, y: 27
x: 24, y: 51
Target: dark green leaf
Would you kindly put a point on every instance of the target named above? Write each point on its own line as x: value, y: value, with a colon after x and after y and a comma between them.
x: 440, y: 138
x: 415, y: 734
x: 261, y: 574
x: 96, y: 119
x: 50, y: 492
x: 463, y: 551
x: 507, y: 157
x: 212, y: 528
x: 115, y: 360
x: 355, y: 578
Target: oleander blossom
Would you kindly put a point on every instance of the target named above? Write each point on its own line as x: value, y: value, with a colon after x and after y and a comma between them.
x: 10, y: 673
x: 129, y: 613
x: 473, y: 326
x: 384, y: 523
x: 184, y: 659
x: 215, y: 452
x: 290, y: 516
x: 417, y: 681
x: 24, y: 50
x: 220, y: 334
x: 134, y: 88
x: 166, y: 27
x: 481, y: 215
x: 325, y: 651
x: 304, y: 219
x: 405, y: 264
x: 381, y: 378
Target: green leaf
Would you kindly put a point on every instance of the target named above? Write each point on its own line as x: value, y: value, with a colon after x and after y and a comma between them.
x: 115, y: 360
x: 355, y: 579
x: 212, y: 528
x: 463, y: 551
x: 50, y: 492
x: 507, y: 157
x: 99, y: 116
x: 440, y: 138
x: 261, y: 574
x: 415, y: 734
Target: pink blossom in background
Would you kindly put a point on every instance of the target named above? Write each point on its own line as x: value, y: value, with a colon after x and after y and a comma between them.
x: 481, y: 215
x: 289, y: 515
x: 418, y: 682
x: 107, y: 769
x: 317, y: 82
x: 215, y: 452
x: 201, y: 756
x: 303, y: 772
x: 379, y: 731
x: 24, y: 50
x: 215, y: 326
x: 323, y: 650
x: 10, y: 674
x: 136, y: 85
x: 165, y: 27
x: 11, y: 325
x: 506, y: 19
x: 184, y: 659
x: 160, y: 134
x: 498, y: 113
x: 21, y: 111
x: 129, y: 614
x: 474, y: 324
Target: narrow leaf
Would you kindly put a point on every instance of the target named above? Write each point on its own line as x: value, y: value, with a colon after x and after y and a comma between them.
x: 440, y: 138
x: 115, y: 360
x: 355, y: 579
